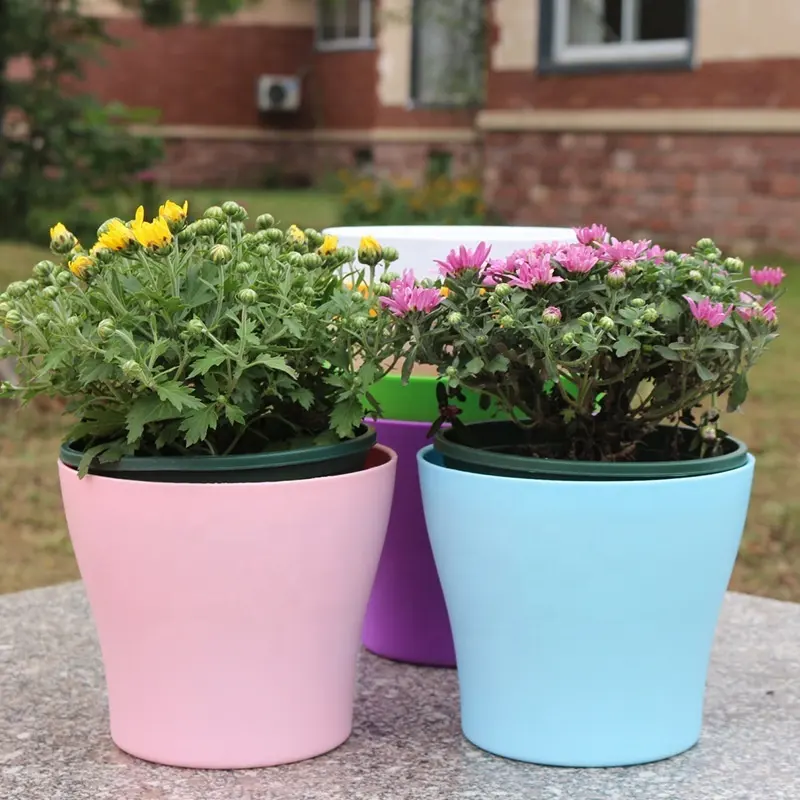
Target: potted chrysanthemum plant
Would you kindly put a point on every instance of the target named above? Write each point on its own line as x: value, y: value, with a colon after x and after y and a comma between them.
x: 584, y: 546
x: 226, y: 503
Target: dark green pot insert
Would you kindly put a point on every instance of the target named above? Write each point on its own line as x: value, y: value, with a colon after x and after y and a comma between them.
x: 302, y: 463
x: 490, y: 442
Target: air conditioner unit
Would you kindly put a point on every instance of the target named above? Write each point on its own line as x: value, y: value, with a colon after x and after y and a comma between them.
x: 278, y: 93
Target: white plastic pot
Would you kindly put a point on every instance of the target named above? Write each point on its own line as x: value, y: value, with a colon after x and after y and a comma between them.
x: 420, y: 245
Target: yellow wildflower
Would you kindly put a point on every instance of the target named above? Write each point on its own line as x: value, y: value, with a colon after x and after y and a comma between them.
x: 481, y: 291
x: 58, y: 231
x: 329, y: 245
x: 296, y: 235
x: 79, y: 264
x: 115, y: 236
x: 373, y: 312
x: 444, y: 291
x: 61, y: 239
x: 151, y: 234
x: 173, y: 213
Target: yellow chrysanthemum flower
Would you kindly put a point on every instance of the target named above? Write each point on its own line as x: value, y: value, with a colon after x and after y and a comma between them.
x: 150, y: 234
x: 296, y: 235
x: 444, y: 291
x: 369, y: 250
x: 79, y: 265
x: 116, y: 236
x: 329, y: 245
x: 172, y: 212
x: 58, y: 231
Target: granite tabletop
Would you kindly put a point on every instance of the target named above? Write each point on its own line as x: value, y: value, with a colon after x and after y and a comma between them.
x: 54, y: 742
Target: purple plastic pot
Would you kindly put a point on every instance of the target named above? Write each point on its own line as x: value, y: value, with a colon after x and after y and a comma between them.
x: 406, y: 617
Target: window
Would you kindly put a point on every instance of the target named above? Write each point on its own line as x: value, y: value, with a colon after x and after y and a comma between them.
x: 449, y: 52
x: 345, y: 24
x: 616, y: 32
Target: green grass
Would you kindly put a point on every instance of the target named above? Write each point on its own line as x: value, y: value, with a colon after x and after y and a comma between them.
x: 35, y: 551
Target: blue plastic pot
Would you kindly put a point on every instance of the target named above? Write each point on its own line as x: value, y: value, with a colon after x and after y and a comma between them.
x: 583, y: 612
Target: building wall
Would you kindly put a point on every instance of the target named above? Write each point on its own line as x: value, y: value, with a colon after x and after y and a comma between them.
x: 713, y: 150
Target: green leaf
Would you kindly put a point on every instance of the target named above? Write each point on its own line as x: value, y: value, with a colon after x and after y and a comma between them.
x: 474, y: 365
x: 213, y: 358
x: 89, y: 456
x: 147, y: 409
x: 625, y: 345
x: 294, y: 327
x: 704, y: 373
x: 498, y: 364
x: 680, y: 346
x: 234, y: 415
x: 408, y: 365
x: 275, y: 362
x: 569, y: 387
x: 197, y: 422
x: 302, y: 396
x: 723, y: 346
x: 95, y: 370
x: 738, y: 392
x: 666, y: 352
x: 669, y: 310
x: 177, y: 394
x: 346, y: 416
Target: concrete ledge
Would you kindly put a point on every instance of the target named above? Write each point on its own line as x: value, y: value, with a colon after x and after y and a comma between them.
x: 221, y: 133
x: 406, y: 743
x: 724, y: 120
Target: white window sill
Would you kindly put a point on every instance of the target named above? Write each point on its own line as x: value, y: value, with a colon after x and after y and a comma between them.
x: 343, y: 45
x: 629, y: 52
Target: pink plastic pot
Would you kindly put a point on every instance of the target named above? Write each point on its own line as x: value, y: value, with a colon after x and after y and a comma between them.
x: 229, y: 615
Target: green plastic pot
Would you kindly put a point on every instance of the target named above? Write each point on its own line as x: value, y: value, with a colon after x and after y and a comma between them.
x: 416, y: 400
x: 340, y: 458
x: 489, y: 442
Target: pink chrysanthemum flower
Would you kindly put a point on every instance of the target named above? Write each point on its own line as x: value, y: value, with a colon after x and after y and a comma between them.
x: 591, y: 234
x: 626, y: 253
x: 578, y: 258
x: 407, y: 297
x: 463, y: 259
x: 538, y: 272
x: 707, y: 312
x: 768, y: 276
x: 752, y: 308
x: 656, y: 254
x: 494, y: 271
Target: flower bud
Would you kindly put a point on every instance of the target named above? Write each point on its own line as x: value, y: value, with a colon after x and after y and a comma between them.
x: 243, y: 267
x: 207, y: 226
x: 295, y: 236
x: 650, y: 315
x: 247, y: 296
x: 506, y: 321
x: 637, y: 302
x: 615, y: 277
x: 311, y: 261
x: 369, y: 251
x: 671, y: 257
x: 74, y: 321
x: 187, y: 234
x: 587, y: 317
x: 293, y: 259
x: 274, y: 235
x: 196, y: 327
x: 51, y: 292
x: 382, y: 289
x: 42, y: 319
x: 605, y: 323
x: 61, y: 240
x: 638, y: 323
x: 502, y: 290
x: 733, y: 264
x: 63, y: 278
x: 388, y: 277
x: 551, y: 316
x: 132, y: 369
x: 713, y: 256
x: 705, y: 244
x: 234, y: 211
x: 106, y: 328
x: 264, y: 221
x: 299, y: 308
x: 455, y: 318
x: 313, y: 237
x: 17, y: 289
x: 390, y: 255
x: 264, y: 250
x: 568, y: 339
x: 220, y: 253
x: 695, y: 275
x: 215, y: 213
x: 43, y: 269
x: 716, y: 289
x: 451, y: 372
x: 4, y: 307
x: 13, y: 319
x: 708, y: 433
x: 360, y: 321
x: 346, y: 255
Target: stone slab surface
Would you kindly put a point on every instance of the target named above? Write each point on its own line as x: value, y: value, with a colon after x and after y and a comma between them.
x: 54, y: 742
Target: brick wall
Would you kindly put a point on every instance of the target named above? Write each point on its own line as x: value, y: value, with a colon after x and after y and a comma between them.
x: 742, y: 190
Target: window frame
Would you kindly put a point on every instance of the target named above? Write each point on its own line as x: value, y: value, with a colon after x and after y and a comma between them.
x: 366, y: 22
x: 555, y: 55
